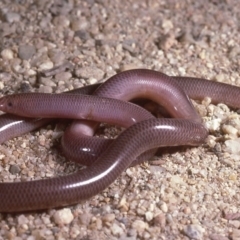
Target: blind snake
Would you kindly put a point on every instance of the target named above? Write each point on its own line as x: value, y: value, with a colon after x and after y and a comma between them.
x: 143, y: 131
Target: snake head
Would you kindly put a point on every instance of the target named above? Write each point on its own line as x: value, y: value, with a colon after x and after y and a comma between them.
x: 6, y: 104
x: 12, y: 104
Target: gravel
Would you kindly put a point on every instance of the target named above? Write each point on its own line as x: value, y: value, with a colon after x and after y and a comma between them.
x: 55, y: 46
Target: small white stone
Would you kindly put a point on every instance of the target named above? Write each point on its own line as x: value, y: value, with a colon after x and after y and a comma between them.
x: 116, y: 230
x: 164, y: 207
x: 45, y: 66
x: 210, y: 65
x: 31, y: 72
x: 1, y: 85
x: 182, y: 71
x: 228, y: 129
x: 211, y: 141
x: 175, y: 180
x: 7, y: 54
x: 220, y: 77
x: 202, y: 54
x: 213, y: 125
x: 129, y: 172
x: 233, y: 146
x: 17, y: 68
x: 167, y: 25
x: 23, y: 145
x: 149, y: 216
x: 63, y: 216
x: 92, y: 80
x: 206, y: 101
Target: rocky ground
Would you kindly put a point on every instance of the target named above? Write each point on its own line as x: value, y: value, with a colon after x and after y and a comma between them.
x: 188, y: 194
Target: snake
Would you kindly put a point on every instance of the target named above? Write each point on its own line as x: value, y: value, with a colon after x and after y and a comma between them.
x: 108, y: 103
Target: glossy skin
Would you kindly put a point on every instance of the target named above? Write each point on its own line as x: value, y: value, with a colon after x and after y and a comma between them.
x: 146, y: 134
x: 66, y: 190
x: 78, y: 141
x: 126, y: 86
x: 12, y: 125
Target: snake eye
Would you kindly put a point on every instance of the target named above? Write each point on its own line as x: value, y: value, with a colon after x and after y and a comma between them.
x: 9, y: 104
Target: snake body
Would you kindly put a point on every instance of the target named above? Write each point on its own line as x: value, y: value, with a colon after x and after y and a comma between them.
x: 144, y: 132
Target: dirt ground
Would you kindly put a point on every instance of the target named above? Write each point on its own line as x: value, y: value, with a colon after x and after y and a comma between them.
x: 192, y: 193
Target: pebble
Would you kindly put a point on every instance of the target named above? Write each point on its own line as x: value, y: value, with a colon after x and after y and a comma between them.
x: 56, y: 56
x: 45, y: 89
x: 164, y: 207
x: 233, y: 146
x: 14, y: 169
x: 167, y: 25
x: 79, y: 24
x: 124, y: 237
x: 206, y: 101
x: 235, y: 234
x: 108, y: 217
x: 63, y: 216
x: 211, y: 141
x: 217, y: 237
x: 62, y: 21
x: 22, y: 219
x: 31, y: 238
x: 167, y: 42
x: 46, y: 220
x: 235, y: 223
x: 83, y: 35
x: 12, y: 17
x: 47, y: 82
x: 160, y: 220
x: 7, y: 54
x: 220, y: 77
x: 64, y: 76
x: 92, y: 80
x: 116, y: 230
x: 213, y: 125
x: 42, y: 140
x: 228, y: 129
x: 98, y: 223
x: 112, y: 36
x: 25, y: 52
x: 194, y: 231
x: 45, y: 66
x: 85, y: 218
x: 149, y: 216
x: 31, y: 72
x: 75, y: 231
x: 139, y: 225
x: 89, y: 72
x: 4, y: 77
x: 175, y: 180
x: 130, y: 66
